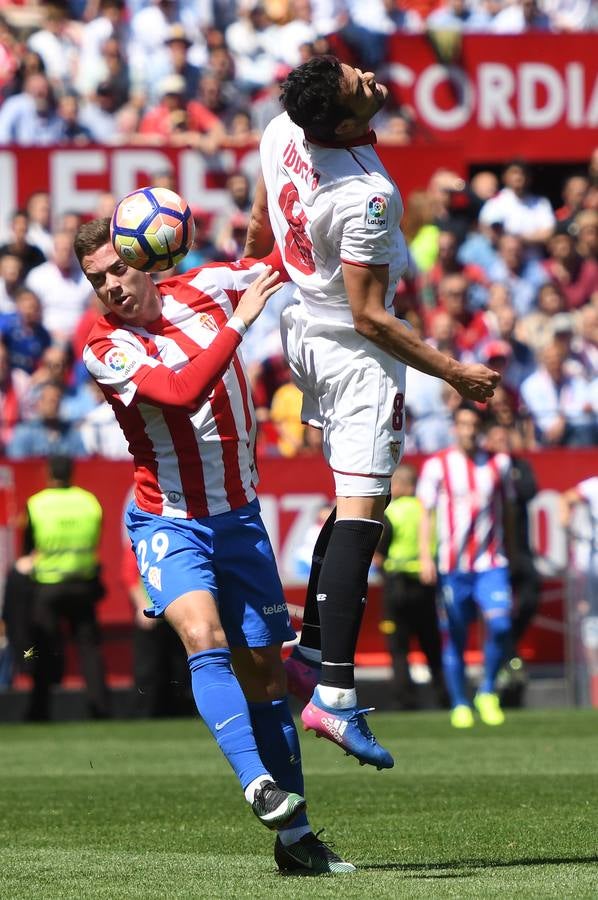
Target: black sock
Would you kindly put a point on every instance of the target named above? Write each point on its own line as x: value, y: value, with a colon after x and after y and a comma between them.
x: 342, y: 592
x: 310, y: 630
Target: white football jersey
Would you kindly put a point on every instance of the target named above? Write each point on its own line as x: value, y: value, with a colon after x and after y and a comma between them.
x: 329, y: 205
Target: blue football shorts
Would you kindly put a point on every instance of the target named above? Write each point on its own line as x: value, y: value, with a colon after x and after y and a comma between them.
x: 229, y: 555
x: 463, y: 593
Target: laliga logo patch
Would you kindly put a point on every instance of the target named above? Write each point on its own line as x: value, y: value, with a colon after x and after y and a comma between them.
x: 117, y: 360
x: 376, y: 212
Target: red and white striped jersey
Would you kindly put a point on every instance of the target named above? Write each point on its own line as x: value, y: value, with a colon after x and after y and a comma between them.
x: 193, y: 449
x: 468, y: 495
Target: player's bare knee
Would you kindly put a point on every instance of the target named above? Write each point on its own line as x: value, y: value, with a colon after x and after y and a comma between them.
x: 199, y: 636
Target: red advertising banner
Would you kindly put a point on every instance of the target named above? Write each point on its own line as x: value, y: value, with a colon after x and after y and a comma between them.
x: 528, y: 95
x: 292, y: 492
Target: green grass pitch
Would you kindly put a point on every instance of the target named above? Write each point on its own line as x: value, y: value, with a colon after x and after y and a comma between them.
x: 150, y: 810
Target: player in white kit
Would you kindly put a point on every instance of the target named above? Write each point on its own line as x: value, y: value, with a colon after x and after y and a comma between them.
x: 335, y: 214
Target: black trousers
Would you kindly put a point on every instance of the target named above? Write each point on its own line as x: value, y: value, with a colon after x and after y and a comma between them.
x: 72, y: 603
x: 525, y: 582
x: 411, y: 607
x: 161, y: 672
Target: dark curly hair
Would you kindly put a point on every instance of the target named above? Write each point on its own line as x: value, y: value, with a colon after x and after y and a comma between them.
x: 311, y: 95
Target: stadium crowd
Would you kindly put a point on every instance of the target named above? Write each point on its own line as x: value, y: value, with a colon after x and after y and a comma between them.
x: 498, y: 273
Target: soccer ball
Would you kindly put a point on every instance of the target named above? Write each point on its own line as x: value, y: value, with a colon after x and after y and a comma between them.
x: 152, y: 229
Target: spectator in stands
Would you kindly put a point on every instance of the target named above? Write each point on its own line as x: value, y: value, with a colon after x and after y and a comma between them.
x: 521, y: 16
x: 501, y: 410
x: 30, y: 63
x: 576, y: 277
x: 99, y: 113
x: 57, y: 43
x: 230, y: 241
x: 23, y: 333
x: 452, y: 15
x: 100, y: 432
x: 444, y: 188
x: 14, y: 387
x: 201, y: 128
x: 570, y: 15
x: 536, y: 328
x: 62, y: 288
x: 574, y: 195
x: 30, y: 118
x: 204, y: 249
x: 521, y: 360
x: 559, y: 404
x: 39, y: 233
x: 395, y: 130
x: 283, y: 40
x: 420, y: 229
x: 448, y: 264
x: 46, y: 433
x: 586, y: 345
x: 176, y: 62
x: 108, y: 29
x: 150, y: 28
x: 522, y: 276
x: 11, y: 270
x: 10, y: 54
x: 247, y: 40
x: 285, y: 415
x: 520, y: 212
x: 73, y: 131
x: 18, y: 245
x: 585, y: 226
x: 77, y: 399
x: 470, y: 327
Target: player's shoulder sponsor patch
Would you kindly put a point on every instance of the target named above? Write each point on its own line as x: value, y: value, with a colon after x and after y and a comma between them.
x: 120, y: 362
x: 376, y: 212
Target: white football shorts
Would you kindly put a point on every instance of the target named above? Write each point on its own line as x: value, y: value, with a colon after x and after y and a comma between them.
x: 354, y: 392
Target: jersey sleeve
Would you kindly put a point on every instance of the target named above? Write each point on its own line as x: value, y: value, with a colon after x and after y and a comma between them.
x: 368, y: 230
x: 145, y: 379
x: 235, y: 277
x: 428, y: 485
x: 119, y: 362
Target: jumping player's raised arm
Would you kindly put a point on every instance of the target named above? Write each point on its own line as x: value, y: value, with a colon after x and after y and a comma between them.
x: 366, y: 288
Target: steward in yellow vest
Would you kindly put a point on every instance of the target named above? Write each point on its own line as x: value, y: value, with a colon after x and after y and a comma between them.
x: 409, y: 607
x: 62, y: 538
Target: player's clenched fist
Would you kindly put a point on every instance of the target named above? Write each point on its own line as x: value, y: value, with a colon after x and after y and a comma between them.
x: 254, y: 299
x: 475, y: 381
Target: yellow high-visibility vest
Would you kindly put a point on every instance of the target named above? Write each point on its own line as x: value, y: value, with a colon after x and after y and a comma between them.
x: 66, y: 525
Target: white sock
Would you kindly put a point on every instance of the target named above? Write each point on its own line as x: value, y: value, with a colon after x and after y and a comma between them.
x: 290, y: 836
x: 254, y: 785
x: 309, y: 653
x: 337, y: 698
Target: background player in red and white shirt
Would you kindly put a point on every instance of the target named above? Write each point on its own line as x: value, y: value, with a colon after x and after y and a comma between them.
x: 335, y: 214
x: 166, y: 358
x: 469, y: 493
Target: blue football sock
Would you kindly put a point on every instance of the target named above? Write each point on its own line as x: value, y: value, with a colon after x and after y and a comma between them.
x: 278, y: 744
x: 498, y: 631
x: 222, y: 705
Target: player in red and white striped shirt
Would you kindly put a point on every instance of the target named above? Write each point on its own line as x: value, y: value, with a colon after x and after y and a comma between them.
x: 166, y: 358
x: 470, y: 492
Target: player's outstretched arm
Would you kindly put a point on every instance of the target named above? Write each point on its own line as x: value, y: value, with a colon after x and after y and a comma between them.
x: 366, y: 288
x: 260, y: 238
